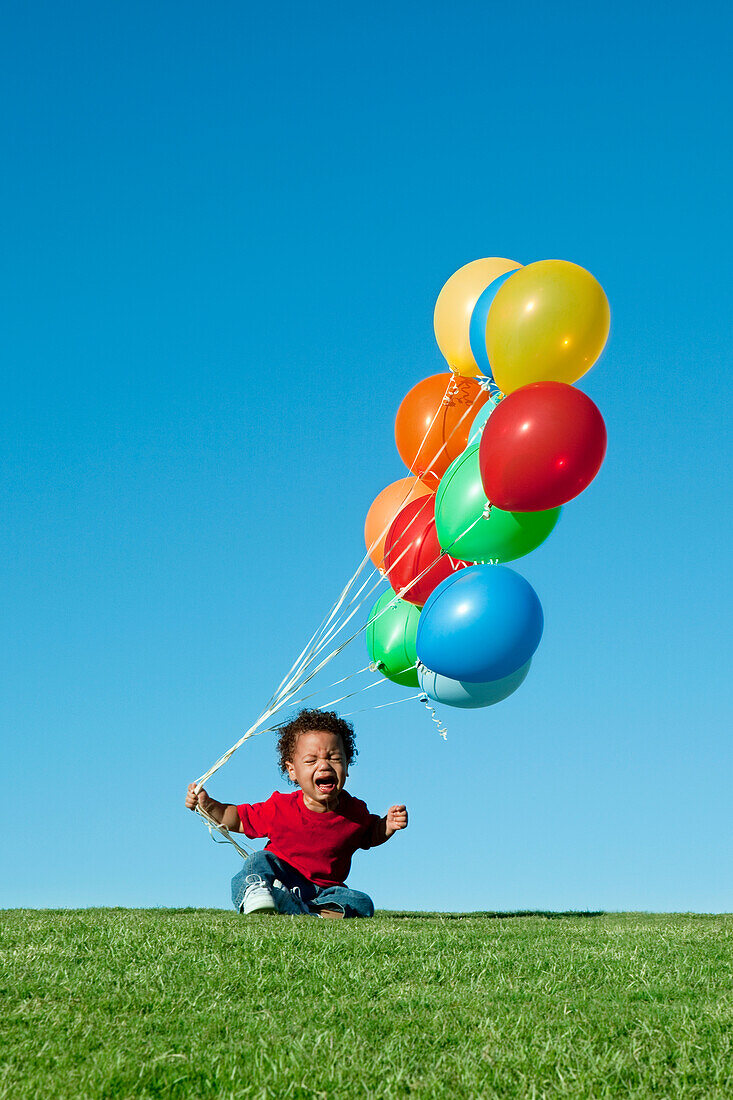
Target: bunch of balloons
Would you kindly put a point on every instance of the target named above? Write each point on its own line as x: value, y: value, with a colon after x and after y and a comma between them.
x: 495, y: 448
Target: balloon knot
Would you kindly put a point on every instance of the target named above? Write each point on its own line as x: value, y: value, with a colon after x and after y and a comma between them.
x: 453, y: 389
x: 487, y: 509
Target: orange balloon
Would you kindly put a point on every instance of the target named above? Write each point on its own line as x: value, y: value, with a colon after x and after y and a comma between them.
x: 433, y: 423
x: 384, y: 510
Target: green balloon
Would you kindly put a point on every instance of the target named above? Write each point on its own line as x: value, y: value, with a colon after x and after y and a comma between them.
x: 391, y: 638
x: 467, y: 534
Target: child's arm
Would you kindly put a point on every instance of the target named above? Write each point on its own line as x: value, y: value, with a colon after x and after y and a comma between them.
x: 222, y: 812
x: 394, y: 820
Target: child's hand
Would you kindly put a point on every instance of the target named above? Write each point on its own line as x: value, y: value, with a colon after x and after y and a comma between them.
x: 396, y: 819
x: 220, y: 812
x: 192, y: 799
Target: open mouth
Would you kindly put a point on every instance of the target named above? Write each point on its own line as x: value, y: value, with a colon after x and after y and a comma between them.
x: 325, y: 784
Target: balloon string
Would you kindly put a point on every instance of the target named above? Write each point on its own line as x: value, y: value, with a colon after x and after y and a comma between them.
x: 446, y: 400
x: 288, y: 695
x: 442, y: 730
x: 336, y: 628
x: 380, y: 706
x: 318, y: 643
x: 259, y: 728
x: 286, y: 689
x: 367, y: 668
x: 215, y: 827
x: 285, y: 699
x: 451, y: 388
x: 305, y: 658
x: 359, y: 691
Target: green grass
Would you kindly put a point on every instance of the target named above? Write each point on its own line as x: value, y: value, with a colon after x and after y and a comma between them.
x: 203, y: 1003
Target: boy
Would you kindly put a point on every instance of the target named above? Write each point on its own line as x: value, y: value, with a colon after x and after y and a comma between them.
x: 313, y: 832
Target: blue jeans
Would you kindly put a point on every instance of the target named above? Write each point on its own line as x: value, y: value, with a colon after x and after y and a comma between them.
x: 352, y: 903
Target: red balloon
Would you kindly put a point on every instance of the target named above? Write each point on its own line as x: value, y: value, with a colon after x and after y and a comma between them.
x: 411, y: 547
x: 542, y: 445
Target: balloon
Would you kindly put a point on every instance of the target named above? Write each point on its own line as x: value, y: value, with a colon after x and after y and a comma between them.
x: 455, y: 305
x: 477, y: 426
x: 549, y: 322
x: 541, y: 447
x: 459, y: 693
x: 433, y: 423
x: 390, y: 637
x: 480, y: 624
x: 412, y: 549
x: 477, y: 326
x: 384, y: 509
x: 467, y: 533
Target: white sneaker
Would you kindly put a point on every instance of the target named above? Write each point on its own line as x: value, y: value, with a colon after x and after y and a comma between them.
x: 258, y: 897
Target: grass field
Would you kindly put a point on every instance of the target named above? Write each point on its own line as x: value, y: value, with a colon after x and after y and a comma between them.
x: 203, y: 1003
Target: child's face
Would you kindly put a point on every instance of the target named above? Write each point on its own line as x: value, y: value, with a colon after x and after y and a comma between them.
x: 319, y: 767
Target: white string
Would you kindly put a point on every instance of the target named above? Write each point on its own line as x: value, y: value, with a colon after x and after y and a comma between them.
x: 433, y: 716
x: 328, y: 629
x: 337, y: 627
x: 380, y: 706
x: 483, y: 384
x: 214, y: 827
x: 375, y: 683
x: 339, y: 649
x: 285, y: 694
x: 316, y: 646
x: 350, y: 676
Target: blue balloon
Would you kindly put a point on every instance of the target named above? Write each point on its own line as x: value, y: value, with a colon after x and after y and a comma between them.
x: 480, y: 624
x: 479, y: 317
x: 480, y: 419
x: 459, y: 693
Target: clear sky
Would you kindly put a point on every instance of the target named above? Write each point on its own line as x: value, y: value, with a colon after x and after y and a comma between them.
x: 224, y: 228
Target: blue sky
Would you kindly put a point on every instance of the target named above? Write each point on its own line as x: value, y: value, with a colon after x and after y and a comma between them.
x: 224, y: 230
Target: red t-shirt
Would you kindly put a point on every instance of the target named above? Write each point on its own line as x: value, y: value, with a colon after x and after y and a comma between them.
x: 320, y: 846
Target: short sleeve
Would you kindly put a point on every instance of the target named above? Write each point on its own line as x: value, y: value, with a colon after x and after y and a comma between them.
x: 368, y: 837
x: 368, y: 821
x: 257, y: 818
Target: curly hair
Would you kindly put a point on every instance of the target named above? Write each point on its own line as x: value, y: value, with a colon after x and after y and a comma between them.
x: 307, y: 720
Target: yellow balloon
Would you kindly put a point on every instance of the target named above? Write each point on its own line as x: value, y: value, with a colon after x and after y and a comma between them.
x: 548, y: 323
x: 455, y: 305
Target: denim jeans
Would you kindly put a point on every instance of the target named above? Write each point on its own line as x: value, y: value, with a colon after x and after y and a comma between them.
x: 352, y: 903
